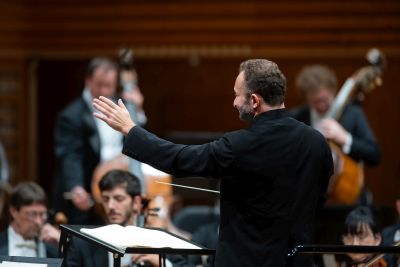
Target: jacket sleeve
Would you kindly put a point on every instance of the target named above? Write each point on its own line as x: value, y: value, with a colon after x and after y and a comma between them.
x: 364, y: 146
x: 179, y: 160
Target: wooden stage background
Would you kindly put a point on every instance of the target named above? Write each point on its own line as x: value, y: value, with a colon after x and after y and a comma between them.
x: 187, y: 55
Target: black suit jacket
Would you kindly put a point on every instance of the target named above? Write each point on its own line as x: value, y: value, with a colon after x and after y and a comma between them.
x: 83, y: 254
x: 272, y: 176
x: 77, y: 150
x: 51, y: 250
x: 364, y: 145
x: 77, y: 145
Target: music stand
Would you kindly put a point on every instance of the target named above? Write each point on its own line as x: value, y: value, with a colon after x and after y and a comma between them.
x: 51, y: 262
x: 67, y: 231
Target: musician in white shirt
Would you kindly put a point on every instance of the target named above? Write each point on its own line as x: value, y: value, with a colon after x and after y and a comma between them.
x: 82, y: 144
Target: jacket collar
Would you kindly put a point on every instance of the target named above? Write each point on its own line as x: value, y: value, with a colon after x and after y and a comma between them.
x: 271, y: 115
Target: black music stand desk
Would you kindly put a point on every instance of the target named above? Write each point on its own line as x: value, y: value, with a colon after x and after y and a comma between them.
x: 67, y: 231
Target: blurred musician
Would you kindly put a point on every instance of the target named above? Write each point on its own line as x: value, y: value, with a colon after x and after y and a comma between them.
x: 352, y: 133
x: 29, y: 234
x: 82, y: 143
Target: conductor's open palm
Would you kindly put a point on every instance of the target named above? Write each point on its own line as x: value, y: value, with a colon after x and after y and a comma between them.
x: 116, y: 116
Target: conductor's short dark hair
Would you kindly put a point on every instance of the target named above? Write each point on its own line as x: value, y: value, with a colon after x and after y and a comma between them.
x: 264, y: 78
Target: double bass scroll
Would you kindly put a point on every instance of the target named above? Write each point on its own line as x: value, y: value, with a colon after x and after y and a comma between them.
x: 157, y: 198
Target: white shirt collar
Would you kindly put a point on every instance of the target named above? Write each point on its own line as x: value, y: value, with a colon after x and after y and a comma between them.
x: 315, y: 118
x: 18, y: 246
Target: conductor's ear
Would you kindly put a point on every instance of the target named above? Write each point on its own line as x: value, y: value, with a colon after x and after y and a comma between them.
x: 255, y: 100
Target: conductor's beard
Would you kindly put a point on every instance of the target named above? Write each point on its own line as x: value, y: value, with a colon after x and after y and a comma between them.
x: 246, y: 113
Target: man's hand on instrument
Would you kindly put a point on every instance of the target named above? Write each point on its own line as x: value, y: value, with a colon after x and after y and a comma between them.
x: 332, y: 130
x: 116, y: 116
x: 134, y: 96
x: 50, y: 234
x: 81, y: 199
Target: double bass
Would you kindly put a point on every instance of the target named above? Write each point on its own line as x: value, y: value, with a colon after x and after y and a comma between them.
x: 348, y: 179
x: 157, y: 197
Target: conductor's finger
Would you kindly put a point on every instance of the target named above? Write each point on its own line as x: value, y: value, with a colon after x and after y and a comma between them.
x: 97, y: 105
x: 108, y: 102
x: 121, y: 104
x: 99, y: 115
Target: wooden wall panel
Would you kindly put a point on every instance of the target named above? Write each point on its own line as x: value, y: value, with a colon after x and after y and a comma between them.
x: 13, y: 117
x: 47, y: 26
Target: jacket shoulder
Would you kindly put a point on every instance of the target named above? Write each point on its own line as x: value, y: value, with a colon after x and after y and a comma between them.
x: 77, y: 106
x: 74, y: 112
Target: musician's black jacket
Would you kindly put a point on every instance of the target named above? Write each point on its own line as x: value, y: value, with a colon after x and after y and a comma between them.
x: 273, y: 175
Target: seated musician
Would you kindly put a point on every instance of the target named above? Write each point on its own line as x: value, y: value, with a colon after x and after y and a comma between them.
x: 361, y: 229
x: 351, y: 133
x: 29, y: 234
x: 122, y: 203
x: 391, y: 236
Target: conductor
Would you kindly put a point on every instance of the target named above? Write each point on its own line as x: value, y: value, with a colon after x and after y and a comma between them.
x: 273, y: 174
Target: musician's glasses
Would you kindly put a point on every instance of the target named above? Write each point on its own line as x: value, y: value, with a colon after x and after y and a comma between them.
x: 32, y: 215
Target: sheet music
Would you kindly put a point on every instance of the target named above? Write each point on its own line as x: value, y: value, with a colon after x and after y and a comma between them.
x: 133, y: 236
x: 21, y: 264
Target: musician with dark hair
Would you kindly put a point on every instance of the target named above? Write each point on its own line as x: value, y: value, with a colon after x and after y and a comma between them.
x: 122, y: 202
x: 362, y: 229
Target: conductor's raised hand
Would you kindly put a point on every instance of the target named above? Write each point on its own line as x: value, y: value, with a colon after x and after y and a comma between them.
x: 116, y: 116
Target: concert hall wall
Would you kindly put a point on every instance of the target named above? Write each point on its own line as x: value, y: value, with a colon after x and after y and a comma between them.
x: 187, y: 55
